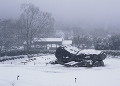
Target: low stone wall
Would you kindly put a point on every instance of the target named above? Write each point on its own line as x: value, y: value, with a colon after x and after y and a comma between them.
x: 6, y: 58
x: 23, y: 52
x: 112, y: 52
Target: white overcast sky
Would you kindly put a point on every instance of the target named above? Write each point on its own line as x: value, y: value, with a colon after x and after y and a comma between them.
x: 71, y: 11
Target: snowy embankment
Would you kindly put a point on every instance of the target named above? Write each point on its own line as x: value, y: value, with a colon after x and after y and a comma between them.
x: 37, y: 72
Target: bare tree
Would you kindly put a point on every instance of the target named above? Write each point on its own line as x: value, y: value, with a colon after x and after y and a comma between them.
x: 35, y: 23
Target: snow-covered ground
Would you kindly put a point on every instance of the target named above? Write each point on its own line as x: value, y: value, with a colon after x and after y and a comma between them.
x: 39, y: 73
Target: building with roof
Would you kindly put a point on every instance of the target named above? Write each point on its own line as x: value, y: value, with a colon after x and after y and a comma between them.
x: 48, y: 43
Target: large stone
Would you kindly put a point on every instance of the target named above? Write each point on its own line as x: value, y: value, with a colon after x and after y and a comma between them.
x: 80, y: 58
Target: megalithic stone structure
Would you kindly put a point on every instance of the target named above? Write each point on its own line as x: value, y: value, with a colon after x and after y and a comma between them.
x: 73, y: 57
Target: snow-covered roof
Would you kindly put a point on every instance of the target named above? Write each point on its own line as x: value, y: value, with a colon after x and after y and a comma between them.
x: 48, y: 39
x: 89, y: 51
x: 67, y: 42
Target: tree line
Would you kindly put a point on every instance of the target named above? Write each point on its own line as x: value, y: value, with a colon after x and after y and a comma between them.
x: 108, y: 43
x: 111, y: 42
x: 99, y: 39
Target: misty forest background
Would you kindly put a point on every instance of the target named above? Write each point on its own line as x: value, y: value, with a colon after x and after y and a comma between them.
x: 34, y: 23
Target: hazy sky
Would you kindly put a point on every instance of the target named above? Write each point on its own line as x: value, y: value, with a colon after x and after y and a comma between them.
x: 69, y: 11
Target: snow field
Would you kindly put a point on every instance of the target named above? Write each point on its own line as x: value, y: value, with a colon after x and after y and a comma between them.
x: 39, y: 73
